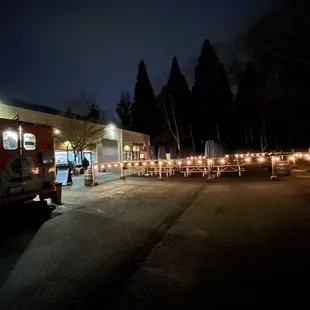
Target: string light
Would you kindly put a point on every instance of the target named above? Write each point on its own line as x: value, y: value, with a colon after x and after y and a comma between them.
x: 247, y: 157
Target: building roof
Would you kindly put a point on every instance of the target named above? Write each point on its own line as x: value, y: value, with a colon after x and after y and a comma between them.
x: 33, y: 107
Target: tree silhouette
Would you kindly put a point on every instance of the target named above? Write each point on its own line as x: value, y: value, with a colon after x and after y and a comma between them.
x: 124, y: 110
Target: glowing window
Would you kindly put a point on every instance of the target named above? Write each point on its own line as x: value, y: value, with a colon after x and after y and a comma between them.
x: 10, y: 140
x: 29, y: 141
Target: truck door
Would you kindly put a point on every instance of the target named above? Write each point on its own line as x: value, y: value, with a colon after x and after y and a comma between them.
x: 30, y: 172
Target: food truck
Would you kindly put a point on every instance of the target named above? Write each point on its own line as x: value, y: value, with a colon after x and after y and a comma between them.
x: 27, y: 163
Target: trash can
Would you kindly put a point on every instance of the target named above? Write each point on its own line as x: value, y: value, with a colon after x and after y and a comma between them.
x: 88, y: 177
x: 57, y: 197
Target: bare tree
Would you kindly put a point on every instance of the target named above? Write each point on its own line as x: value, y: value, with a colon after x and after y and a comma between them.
x: 78, y: 131
x: 78, y: 135
x: 167, y: 106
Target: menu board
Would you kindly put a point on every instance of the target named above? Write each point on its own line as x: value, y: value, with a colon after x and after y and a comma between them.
x: 61, y: 157
x: 62, y: 176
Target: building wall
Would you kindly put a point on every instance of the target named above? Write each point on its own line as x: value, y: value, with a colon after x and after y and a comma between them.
x: 129, y: 138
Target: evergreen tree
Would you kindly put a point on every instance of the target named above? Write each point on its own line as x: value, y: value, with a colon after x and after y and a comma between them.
x: 225, y: 109
x: 144, y: 110
x: 246, y: 104
x: 179, y: 93
x: 212, y: 99
x: 124, y: 110
x: 278, y: 43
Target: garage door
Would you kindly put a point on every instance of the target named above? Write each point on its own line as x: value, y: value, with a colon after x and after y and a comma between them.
x: 110, y: 150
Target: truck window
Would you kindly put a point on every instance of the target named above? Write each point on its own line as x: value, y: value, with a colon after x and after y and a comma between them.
x: 10, y: 140
x: 29, y: 141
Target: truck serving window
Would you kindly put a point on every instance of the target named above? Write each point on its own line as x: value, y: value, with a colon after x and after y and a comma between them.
x: 10, y: 140
x: 29, y: 141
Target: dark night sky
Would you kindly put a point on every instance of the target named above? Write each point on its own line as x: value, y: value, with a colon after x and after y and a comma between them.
x: 54, y: 50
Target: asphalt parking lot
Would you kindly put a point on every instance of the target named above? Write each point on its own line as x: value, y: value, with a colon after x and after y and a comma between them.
x: 144, y: 243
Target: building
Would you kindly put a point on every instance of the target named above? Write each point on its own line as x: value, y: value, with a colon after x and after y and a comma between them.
x: 114, y: 145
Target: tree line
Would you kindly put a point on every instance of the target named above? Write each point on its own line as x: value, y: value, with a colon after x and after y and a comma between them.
x: 269, y: 110
x: 179, y: 115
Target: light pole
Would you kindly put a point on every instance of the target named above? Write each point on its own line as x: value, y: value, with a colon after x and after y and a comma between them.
x: 122, y: 159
